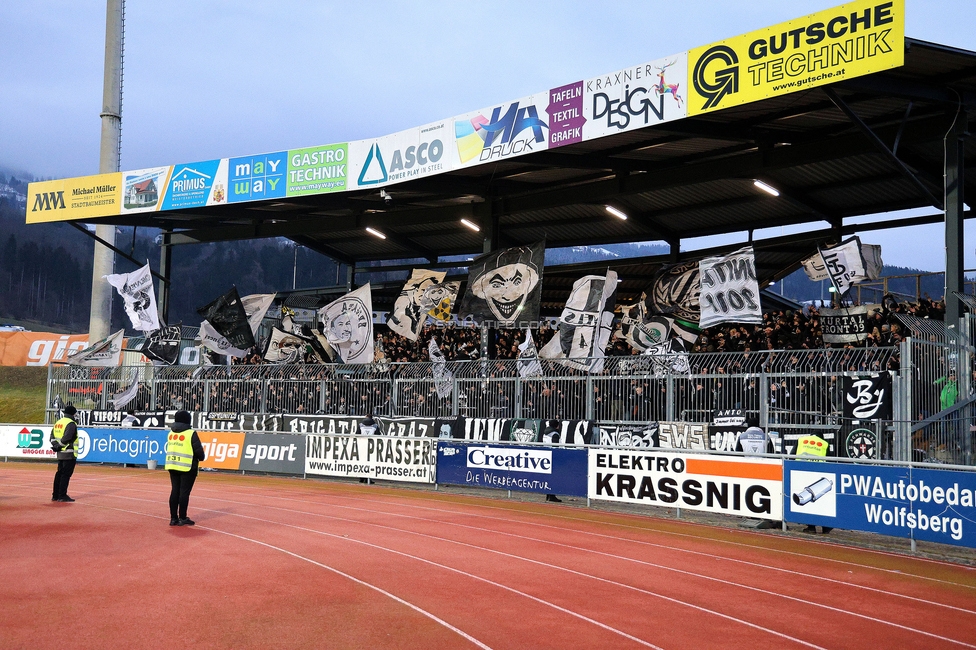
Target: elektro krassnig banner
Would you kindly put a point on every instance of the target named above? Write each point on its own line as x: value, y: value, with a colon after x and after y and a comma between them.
x: 848, y: 41
x: 378, y: 457
x: 542, y: 469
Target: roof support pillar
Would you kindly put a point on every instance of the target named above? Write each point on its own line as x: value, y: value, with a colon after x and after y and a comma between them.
x: 955, y: 183
x: 350, y: 276
x: 165, y: 270
x: 675, y: 249
x: 488, y: 218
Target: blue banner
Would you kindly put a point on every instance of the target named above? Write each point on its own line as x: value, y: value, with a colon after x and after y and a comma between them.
x: 925, y: 504
x: 547, y: 470
x: 133, y: 446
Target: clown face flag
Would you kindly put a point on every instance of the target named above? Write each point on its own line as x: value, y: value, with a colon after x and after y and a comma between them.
x: 136, y: 289
x: 348, y: 325
x: 163, y: 344
x: 227, y: 316
x: 729, y: 289
x: 443, y: 378
x: 675, y: 291
x: 505, y: 287
x: 103, y: 354
x: 585, y: 324
x: 425, y: 294
x: 528, y: 357
x: 255, y: 306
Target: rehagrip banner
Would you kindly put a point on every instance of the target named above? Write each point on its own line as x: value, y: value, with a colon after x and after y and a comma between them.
x: 547, y: 470
x: 379, y: 457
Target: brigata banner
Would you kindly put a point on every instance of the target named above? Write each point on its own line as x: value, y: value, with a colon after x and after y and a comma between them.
x: 26, y: 441
x: 848, y: 41
x: 547, y: 470
x: 750, y: 487
x: 134, y: 446
x: 280, y: 453
x: 379, y: 457
x: 925, y: 504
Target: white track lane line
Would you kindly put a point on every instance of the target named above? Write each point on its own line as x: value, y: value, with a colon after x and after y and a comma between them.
x: 381, y: 548
x: 642, y: 562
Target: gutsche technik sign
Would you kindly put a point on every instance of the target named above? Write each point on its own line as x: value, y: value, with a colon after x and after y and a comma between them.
x: 848, y: 41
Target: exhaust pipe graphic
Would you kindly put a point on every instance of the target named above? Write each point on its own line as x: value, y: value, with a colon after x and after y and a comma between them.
x: 812, y: 492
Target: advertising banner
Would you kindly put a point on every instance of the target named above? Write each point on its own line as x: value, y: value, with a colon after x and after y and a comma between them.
x: 197, y: 184
x: 143, y: 189
x: 135, y: 446
x: 926, y: 504
x: 632, y: 98
x: 317, y: 170
x: 546, y: 470
x: 74, y: 198
x: 379, y: 457
x: 252, y: 178
x: 26, y: 441
x: 748, y: 487
x: 280, y: 453
x: 38, y: 348
x: 504, y: 131
x: 403, y: 156
x: 844, y: 42
x: 224, y: 449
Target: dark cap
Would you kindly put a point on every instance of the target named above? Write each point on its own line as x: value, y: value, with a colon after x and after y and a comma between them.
x: 69, y: 409
x: 182, y: 416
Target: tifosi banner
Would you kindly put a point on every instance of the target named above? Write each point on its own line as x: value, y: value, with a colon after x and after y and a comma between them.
x: 280, y: 453
x: 26, y: 441
x: 547, y: 470
x: 735, y: 486
x: 848, y: 41
x: 927, y: 504
x: 379, y: 457
x: 134, y: 446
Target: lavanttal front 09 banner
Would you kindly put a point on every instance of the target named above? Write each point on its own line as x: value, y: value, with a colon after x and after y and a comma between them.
x: 851, y: 40
x: 750, y: 487
x: 926, y: 504
x: 546, y: 470
x: 379, y: 457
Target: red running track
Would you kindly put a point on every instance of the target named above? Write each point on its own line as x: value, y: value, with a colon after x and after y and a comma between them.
x: 279, y: 562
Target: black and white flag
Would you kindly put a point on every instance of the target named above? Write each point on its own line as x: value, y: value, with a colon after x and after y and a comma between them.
x: 443, y: 378
x: 255, y: 306
x: 528, y: 357
x: 846, y: 325
x: 675, y: 291
x: 137, y: 292
x: 163, y: 344
x: 505, y: 287
x: 228, y: 318
x: 120, y: 399
x: 585, y: 324
x: 102, y: 354
x: 285, y: 347
x: 867, y: 397
x: 844, y: 265
x: 425, y: 294
x: 348, y: 325
x: 729, y: 289
x: 816, y: 270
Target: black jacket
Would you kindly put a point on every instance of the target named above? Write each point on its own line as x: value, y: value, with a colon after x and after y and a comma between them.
x: 198, y: 451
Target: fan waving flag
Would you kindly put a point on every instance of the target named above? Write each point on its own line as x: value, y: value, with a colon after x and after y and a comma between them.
x: 729, y: 289
x: 844, y: 264
x: 425, y: 294
x: 505, y: 287
x: 227, y: 316
x: 528, y: 357
x: 163, y: 344
x: 136, y: 289
x: 348, y: 325
x: 585, y: 323
x: 443, y: 378
x: 255, y: 306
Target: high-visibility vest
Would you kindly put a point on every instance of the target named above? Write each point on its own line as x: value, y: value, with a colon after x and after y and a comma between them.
x: 811, y: 446
x: 179, y: 451
x: 58, y: 433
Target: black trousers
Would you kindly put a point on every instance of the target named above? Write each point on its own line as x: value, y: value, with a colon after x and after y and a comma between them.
x: 65, y: 469
x: 179, y: 495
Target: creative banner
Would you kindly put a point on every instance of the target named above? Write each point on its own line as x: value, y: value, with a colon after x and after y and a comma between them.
x: 846, y: 325
x: 38, y: 348
x: 729, y: 289
x: 394, y: 459
x: 682, y: 435
x: 750, y: 487
x: 403, y: 156
x: 926, y: 504
x: 632, y: 98
x: 848, y: 41
x: 26, y: 441
x: 74, y: 198
x: 279, y: 453
x: 546, y: 470
x: 134, y: 446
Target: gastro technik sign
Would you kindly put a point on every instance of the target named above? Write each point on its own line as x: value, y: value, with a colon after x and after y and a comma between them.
x: 848, y: 41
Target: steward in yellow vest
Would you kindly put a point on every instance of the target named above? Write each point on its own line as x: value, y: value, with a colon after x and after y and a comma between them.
x: 813, y: 446
x: 184, y: 452
x: 64, y: 440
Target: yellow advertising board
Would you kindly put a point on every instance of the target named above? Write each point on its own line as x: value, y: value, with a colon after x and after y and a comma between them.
x: 848, y: 41
x: 74, y: 198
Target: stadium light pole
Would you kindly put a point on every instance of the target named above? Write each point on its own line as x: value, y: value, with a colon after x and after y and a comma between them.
x: 100, y: 319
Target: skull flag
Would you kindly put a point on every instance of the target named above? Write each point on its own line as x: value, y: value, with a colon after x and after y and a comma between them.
x: 505, y: 287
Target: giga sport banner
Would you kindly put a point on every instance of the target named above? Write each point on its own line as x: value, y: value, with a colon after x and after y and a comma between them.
x: 378, y: 457
x: 932, y: 505
x: 747, y: 487
x: 547, y: 470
